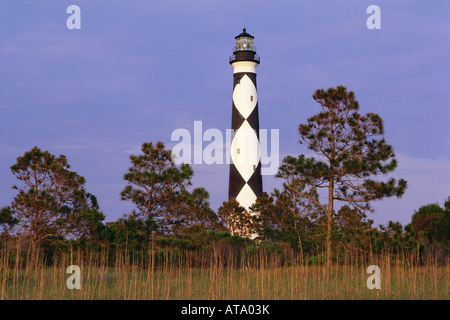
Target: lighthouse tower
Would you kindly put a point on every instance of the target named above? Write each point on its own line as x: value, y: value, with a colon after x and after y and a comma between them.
x: 245, y: 167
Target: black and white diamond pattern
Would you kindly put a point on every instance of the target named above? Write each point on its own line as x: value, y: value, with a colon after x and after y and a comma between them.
x: 245, y: 168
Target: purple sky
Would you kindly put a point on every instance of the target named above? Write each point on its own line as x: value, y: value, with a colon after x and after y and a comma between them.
x: 139, y: 69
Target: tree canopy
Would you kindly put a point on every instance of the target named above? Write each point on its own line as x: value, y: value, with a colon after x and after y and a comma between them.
x: 159, y: 190
x: 349, y: 152
x: 51, y: 199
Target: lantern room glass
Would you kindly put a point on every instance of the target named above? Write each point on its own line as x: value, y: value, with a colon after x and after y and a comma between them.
x: 244, y: 44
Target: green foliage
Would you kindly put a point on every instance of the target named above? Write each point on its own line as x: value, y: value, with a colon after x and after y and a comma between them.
x: 351, y: 229
x: 431, y: 223
x: 350, y: 150
x: 130, y: 231
x: 285, y: 217
x: 7, y: 220
x: 87, y: 222
x: 237, y: 219
x: 154, y: 182
x: 53, y: 208
x: 447, y: 204
x: 443, y: 229
x: 50, y: 198
x: 159, y: 190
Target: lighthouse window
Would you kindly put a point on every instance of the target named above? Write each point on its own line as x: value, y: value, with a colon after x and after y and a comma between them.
x: 238, y: 151
x: 251, y: 98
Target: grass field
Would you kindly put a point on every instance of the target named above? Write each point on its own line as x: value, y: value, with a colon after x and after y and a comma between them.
x: 217, y: 277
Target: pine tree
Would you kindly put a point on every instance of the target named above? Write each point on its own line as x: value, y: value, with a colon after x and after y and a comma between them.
x: 7, y: 220
x: 350, y: 152
x: 49, y: 197
x: 159, y: 190
x: 285, y: 216
x: 236, y: 219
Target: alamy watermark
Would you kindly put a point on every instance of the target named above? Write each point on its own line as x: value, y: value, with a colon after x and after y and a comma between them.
x: 74, y: 280
x: 374, y: 21
x: 74, y: 20
x: 374, y: 280
x: 252, y: 147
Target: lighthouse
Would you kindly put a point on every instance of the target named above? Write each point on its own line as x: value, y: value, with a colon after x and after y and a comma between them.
x: 245, y: 166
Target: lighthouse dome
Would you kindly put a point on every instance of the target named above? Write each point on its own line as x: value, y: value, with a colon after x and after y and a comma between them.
x: 244, y: 50
x: 244, y: 34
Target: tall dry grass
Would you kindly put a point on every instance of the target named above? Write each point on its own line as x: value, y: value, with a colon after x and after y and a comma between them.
x: 220, y: 274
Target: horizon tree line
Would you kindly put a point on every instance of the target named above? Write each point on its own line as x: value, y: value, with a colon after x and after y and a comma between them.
x: 52, y: 204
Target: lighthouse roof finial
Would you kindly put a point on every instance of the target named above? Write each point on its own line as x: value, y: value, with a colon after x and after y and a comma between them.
x: 245, y: 34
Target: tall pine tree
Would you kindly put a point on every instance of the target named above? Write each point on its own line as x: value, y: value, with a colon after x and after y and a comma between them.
x: 50, y: 197
x: 159, y: 190
x: 350, y: 150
